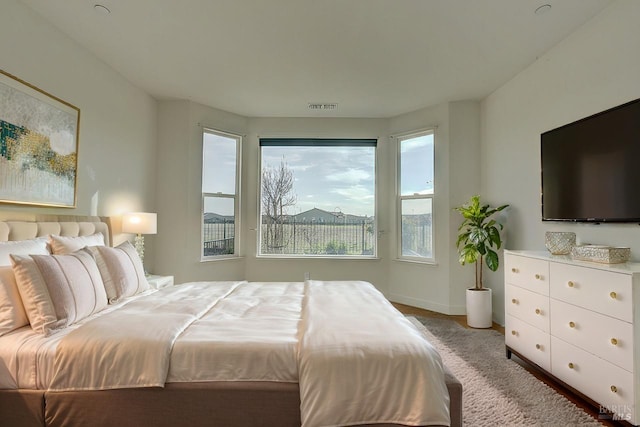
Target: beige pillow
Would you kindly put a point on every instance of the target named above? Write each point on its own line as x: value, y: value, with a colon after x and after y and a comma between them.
x: 12, y: 315
x: 67, y: 244
x: 22, y: 247
x: 121, y: 269
x: 58, y: 290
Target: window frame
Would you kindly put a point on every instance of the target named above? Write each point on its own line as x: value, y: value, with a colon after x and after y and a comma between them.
x: 236, y: 197
x: 302, y: 142
x: 400, y: 198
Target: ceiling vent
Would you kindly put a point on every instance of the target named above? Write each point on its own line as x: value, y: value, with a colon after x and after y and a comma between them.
x: 323, y: 106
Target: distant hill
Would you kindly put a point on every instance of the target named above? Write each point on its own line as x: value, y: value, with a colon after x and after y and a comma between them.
x: 214, y: 218
x: 320, y: 215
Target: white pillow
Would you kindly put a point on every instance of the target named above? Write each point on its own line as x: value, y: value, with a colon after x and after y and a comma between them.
x: 67, y: 244
x: 59, y: 290
x: 12, y: 315
x: 121, y: 269
x: 22, y: 247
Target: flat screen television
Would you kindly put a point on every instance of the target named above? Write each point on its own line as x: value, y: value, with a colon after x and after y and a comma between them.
x: 591, y: 168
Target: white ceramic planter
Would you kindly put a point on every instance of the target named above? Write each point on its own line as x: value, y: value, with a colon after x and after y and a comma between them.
x: 479, y: 314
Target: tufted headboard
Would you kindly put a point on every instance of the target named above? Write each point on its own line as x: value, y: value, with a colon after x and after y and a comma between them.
x: 23, y: 226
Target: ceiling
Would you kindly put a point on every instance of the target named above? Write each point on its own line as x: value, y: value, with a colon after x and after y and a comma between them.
x: 271, y: 58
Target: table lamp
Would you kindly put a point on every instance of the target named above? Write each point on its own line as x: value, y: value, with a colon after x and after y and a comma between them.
x: 140, y: 223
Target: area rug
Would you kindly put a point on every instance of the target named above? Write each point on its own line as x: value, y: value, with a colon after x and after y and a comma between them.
x: 497, y: 391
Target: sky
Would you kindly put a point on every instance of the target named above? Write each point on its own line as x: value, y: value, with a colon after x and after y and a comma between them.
x: 219, y: 172
x: 417, y: 162
x: 329, y: 178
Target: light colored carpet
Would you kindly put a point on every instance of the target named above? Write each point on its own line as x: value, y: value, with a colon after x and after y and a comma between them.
x: 496, y: 390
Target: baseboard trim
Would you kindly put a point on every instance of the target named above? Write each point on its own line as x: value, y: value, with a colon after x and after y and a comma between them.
x: 427, y: 305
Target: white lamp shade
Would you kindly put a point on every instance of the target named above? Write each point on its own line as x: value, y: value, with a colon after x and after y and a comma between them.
x: 140, y: 223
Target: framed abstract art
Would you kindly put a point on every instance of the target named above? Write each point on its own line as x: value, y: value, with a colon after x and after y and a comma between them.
x: 38, y: 146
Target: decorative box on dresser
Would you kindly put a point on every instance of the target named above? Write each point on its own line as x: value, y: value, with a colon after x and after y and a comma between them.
x: 578, y: 322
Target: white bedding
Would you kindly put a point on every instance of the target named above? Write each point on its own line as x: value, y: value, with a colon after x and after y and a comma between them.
x: 251, y: 335
x: 356, y: 358
x: 132, y: 347
x: 20, y: 351
x: 26, y: 357
x: 358, y: 354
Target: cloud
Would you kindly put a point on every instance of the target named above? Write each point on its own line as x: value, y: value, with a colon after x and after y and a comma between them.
x: 349, y: 177
x: 355, y: 193
x: 415, y: 143
x: 326, y: 177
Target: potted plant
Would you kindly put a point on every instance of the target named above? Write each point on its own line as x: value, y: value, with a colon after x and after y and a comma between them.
x: 478, y: 240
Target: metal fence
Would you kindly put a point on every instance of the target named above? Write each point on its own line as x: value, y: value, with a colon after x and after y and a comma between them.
x: 218, y: 238
x: 417, y: 238
x: 297, y: 238
x: 319, y: 238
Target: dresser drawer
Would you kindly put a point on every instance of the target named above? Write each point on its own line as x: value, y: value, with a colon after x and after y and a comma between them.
x: 529, y: 306
x: 607, y: 384
x: 602, y: 291
x: 529, y: 341
x: 606, y: 337
x: 528, y: 273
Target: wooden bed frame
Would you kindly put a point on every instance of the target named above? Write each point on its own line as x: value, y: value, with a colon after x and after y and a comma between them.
x: 247, y: 404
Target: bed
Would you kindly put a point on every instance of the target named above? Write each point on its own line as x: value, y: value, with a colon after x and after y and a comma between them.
x: 208, y: 353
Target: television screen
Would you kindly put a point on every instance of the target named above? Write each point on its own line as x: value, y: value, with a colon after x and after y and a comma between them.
x: 591, y: 168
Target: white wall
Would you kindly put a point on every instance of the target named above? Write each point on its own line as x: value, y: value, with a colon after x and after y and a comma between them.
x: 441, y: 286
x: 179, y: 191
x: 116, y: 154
x: 595, y: 68
x: 179, y: 194
x: 422, y: 285
x: 127, y: 139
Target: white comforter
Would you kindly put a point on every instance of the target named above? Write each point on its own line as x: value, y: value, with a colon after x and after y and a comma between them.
x: 358, y: 354
x: 356, y: 359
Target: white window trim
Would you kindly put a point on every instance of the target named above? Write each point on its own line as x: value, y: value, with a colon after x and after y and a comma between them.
x: 237, y: 238
x: 400, y: 198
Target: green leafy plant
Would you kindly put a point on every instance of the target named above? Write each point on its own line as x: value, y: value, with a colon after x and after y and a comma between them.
x: 479, y: 236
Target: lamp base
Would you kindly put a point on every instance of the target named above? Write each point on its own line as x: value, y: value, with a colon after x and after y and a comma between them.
x: 139, y: 245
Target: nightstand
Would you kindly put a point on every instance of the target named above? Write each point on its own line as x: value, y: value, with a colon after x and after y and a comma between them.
x: 159, y: 282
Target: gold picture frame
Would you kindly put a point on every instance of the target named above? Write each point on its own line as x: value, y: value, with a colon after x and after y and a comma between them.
x: 38, y: 146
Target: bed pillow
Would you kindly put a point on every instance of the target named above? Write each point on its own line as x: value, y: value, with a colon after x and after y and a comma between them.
x: 12, y: 315
x: 121, y: 269
x: 67, y: 244
x: 22, y: 247
x: 58, y: 290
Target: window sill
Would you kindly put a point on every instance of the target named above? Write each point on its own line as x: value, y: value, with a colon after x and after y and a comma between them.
x: 415, y: 261
x: 222, y: 258
x: 321, y: 257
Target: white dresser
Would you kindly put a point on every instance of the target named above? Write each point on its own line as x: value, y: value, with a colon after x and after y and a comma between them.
x: 577, y: 321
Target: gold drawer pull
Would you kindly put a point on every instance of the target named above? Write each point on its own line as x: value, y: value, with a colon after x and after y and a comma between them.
x: 614, y: 389
x: 571, y: 365
x: 572, y: 325
x: 570, y: 284
x: 514, y: 333
x: 613, y: 295
x: 538, y: 277
x: 514, y: 301
x: 614, y: 341
x: 514, y: 270
x: 538, y: 311
x: 538, y: 346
